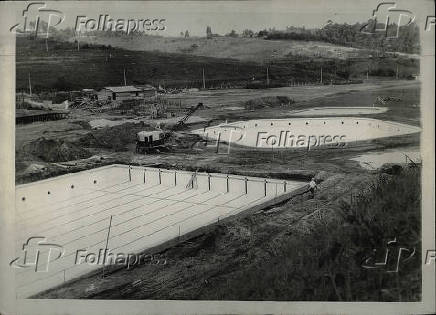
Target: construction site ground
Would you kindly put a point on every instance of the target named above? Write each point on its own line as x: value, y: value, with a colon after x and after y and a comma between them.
x: 196, y: 265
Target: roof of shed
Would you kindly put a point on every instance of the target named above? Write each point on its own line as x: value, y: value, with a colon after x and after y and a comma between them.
x: 120, y: 89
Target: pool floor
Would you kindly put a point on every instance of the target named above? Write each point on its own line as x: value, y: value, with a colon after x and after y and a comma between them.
x: 148, y: 207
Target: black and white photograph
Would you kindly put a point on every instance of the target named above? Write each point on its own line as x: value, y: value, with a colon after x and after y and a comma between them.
x: 219, y: 151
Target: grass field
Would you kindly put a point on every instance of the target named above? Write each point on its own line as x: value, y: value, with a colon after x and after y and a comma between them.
x: 244, y: 49
x: 64, y: 68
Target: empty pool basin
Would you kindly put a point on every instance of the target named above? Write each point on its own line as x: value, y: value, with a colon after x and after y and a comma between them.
x: 304, y: 132
x: 120, y: 210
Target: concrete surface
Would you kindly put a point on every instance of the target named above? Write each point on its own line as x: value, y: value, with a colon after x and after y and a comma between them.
x: 304, y: 132
x: 148, y: 207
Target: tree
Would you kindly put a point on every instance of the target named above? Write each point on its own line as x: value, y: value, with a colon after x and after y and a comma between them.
x: 247, y: 33
x: 208, y: 32
x: 232, y: 34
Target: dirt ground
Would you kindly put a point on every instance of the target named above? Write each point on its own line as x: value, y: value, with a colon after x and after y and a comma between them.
x: 195, y: 266
x: 116, y: 144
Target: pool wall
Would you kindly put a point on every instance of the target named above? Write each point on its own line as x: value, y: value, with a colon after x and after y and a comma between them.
x: 304, y: 132
x: 147, y: 207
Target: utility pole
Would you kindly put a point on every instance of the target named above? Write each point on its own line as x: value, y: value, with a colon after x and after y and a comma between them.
x: 30, y: 86
x: 321, y: 76
x: 204, y: 81
x: 125, y: 81
x: 267, y: 76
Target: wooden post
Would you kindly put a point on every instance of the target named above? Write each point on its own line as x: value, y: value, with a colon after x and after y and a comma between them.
x: 227, y: 182
x: 284, y: 186
x: 267, y: 76
x: 107, y: 242
x: 175, y: 178
x: 30, y: 86
x: 264, y: 186
x: 208, y: 181
x: 130, y: 175
x: 246, y: 185
x: 160, y: 178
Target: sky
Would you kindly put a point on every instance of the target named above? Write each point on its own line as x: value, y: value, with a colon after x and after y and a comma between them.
x: 224, y: 16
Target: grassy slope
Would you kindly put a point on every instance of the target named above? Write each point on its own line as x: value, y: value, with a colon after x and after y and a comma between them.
x: 306, y: 249
x: 244, y: 49
x: 65, y: 68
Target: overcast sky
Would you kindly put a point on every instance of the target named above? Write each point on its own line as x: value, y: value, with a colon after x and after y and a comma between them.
x: 223, y: 16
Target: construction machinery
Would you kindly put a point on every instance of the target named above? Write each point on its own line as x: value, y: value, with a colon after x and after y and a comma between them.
x: 155, y: 141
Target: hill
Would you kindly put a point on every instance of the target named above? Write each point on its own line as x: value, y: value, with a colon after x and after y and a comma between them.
x: 62, y: 67
x: 241, y: 48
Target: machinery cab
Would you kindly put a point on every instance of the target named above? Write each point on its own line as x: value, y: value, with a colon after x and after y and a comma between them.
x: 147, y: 140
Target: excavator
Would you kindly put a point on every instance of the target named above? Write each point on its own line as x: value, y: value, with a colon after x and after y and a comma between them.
x: 155, y: 141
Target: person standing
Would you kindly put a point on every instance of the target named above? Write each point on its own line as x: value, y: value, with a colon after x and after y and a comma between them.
x: 312, y: 187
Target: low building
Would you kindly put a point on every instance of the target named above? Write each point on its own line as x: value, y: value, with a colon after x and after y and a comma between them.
x: 119, y: 93
x: 147, y: 90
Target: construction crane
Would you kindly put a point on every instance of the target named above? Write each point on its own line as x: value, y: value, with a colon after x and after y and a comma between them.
x: 149, y: 141
x: 181, y: 123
